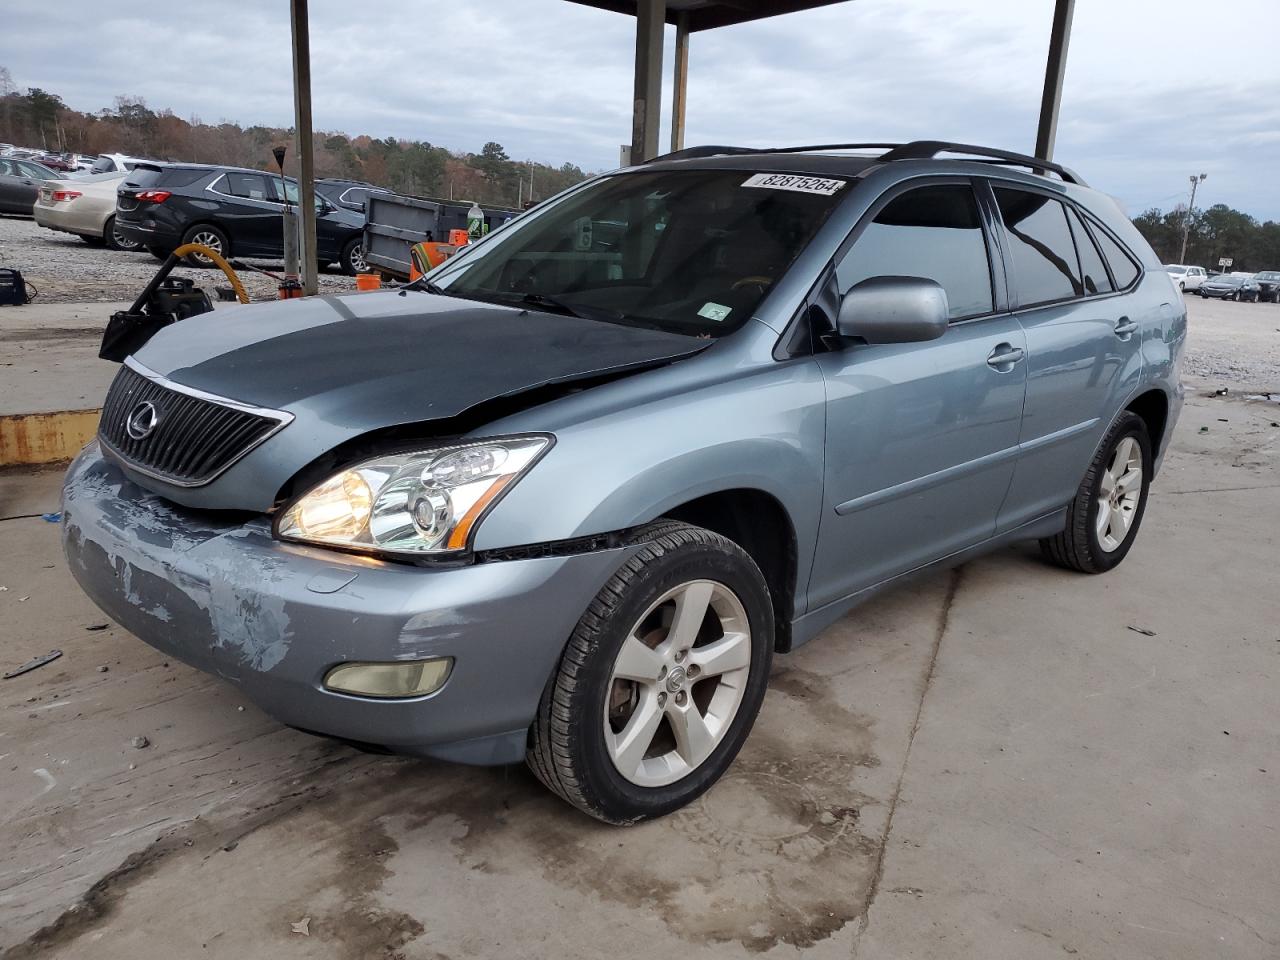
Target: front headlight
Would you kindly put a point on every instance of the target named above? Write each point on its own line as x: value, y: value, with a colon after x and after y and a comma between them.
x: 421, y: 503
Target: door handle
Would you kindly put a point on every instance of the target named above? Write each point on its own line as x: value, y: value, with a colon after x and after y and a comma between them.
x: 1125, y: 328
x: 1004, y: 356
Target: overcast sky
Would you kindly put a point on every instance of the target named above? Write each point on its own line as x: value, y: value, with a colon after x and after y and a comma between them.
x: 1150, y: 98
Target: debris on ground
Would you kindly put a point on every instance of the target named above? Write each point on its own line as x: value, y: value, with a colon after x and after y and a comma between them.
x: 33, y: 664
x: 51, y: 517
x: 97, y: 626
x: 140, y: 743
x: 1142, y: 630
x: 103, y: 669
x: 303, y: 926
x: 1204, y: 429
x: 1221, y: 392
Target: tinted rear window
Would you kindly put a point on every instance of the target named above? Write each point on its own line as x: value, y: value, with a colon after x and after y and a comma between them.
x: 1044, y: 257
x: 1092, y: 269
x: 1122, y: 266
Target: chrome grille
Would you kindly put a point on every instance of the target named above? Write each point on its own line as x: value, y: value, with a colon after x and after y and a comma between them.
x: 194, y: 436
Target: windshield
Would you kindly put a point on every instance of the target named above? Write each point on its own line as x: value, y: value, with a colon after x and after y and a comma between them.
x: 1268, y: 275
x: 690, y: 252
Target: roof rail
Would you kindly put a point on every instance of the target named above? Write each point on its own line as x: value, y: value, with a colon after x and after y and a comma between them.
x: 693, y: 153
x: 915, y: 150
x: 928, y: 149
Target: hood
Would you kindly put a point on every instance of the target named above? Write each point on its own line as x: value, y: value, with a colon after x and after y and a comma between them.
x: 370, y: 360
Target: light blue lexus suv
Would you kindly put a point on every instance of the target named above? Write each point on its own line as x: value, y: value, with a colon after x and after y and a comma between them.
x: 564, y: 498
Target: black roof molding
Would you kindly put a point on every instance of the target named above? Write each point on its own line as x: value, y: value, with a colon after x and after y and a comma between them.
x: 915, y: 150
x: 928, y: 149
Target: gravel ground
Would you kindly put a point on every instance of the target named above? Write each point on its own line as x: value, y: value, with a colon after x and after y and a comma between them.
x: 65, y: 269
x: 1235, y: 344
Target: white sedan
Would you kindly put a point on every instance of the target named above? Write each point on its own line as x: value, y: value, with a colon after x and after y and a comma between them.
x: 1187, y: 278
x: 85, y: 206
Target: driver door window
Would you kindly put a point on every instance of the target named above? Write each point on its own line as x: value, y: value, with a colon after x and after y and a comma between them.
x: 933, y: 232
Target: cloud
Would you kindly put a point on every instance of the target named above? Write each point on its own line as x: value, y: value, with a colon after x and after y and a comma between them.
x: 1145, y: 102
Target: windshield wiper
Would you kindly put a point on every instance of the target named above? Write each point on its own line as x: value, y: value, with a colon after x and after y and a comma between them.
x: 427, y: 286
x: 549, y: 302
x: 546, y: 301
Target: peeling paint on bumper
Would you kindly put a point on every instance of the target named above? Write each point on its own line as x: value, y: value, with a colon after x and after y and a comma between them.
x: 219, y: 593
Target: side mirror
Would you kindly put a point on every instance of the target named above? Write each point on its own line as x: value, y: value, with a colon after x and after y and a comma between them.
x: 323, y: 206
x: 894, y: 310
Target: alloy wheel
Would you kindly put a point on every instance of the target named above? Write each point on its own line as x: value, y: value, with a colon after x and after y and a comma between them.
x: 358, y: 262
x: 677, y: 683
x: 207, y: 238
x: 122, y: 242
x: 1119, y: 493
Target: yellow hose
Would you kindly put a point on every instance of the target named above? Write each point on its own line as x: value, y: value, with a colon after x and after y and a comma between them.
x: 216, y: 257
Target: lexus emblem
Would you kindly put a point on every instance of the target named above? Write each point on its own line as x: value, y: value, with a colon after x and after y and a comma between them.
x: 142, y: 420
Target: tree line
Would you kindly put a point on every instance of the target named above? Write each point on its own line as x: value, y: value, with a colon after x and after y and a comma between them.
x: 1212, y: 234
x: 39, y: 119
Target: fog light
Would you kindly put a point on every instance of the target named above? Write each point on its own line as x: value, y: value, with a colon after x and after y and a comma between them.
x: 410, y: 678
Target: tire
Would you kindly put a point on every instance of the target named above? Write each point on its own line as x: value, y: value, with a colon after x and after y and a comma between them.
x: 1182, y: 286
x: 352, y: 260
x: 113, y: 240
x: 569, y: 748
x: 91, y: 241
x: 211, y: 237
x: 1082, y: 545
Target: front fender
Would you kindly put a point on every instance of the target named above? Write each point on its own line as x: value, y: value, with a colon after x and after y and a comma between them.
x: 617, y: 464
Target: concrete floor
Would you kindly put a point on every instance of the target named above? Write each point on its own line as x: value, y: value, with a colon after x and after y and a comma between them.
x: 1004, y: 761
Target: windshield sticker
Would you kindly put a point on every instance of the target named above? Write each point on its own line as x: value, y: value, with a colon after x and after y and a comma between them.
x: 715, y: 311
x: 823, y: 186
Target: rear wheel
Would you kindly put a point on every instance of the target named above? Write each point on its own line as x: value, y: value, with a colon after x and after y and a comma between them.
x: 1103, y: 519
x: 353, y: 261
x: 661, y: 680
x: 113, y: 238
x: 207, y: 236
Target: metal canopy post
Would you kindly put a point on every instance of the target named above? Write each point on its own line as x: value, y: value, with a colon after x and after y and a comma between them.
x: 680, y: 81
x: 1054, y: 71
x: 650, y: 17
x: 306, y: 152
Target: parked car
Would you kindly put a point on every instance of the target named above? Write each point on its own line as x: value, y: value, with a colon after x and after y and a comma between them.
x: 20, y: 182
x: 114, y: 163
x: 565, y: 502
x: 1231, y: 286
x: 1187, y: 278
x: 349, y: 194
x: 85, y: 207
x: 231, y: 210
x: 1268, y: 282
x: 56, y: 161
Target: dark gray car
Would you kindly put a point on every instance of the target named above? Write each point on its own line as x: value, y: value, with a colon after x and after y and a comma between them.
x: 20, y: 184
x: 566, y: 497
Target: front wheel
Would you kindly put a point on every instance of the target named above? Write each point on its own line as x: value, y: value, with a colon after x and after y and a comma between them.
x: 660, y: 682
x: 1103, y: 519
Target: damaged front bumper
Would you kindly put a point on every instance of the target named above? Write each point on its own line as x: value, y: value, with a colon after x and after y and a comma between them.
x: 221, y: 594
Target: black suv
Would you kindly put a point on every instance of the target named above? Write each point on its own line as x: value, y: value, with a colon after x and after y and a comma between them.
x: 1268, y: 282
x: 232, y: 210
x: 348, y: 194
